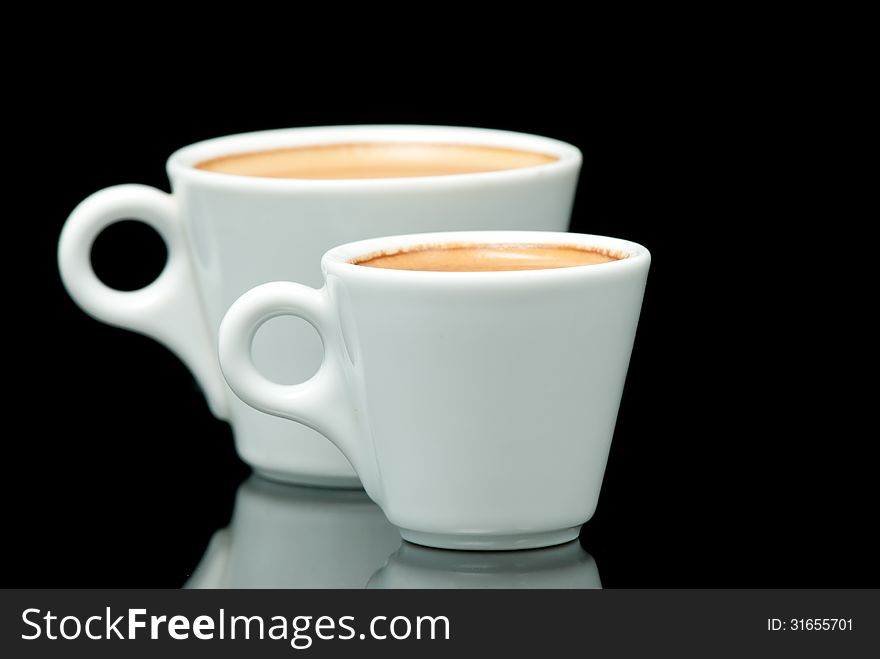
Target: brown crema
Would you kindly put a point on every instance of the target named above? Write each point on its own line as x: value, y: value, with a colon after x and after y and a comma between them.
x: 488, y: 257
x: 374, y: 160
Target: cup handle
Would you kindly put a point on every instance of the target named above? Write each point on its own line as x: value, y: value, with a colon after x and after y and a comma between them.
x: 168, y: 309
x: 322, y: 402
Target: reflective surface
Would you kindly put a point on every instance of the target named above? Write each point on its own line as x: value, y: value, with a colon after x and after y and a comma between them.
x: 412, y: 566
x: 283, y: 536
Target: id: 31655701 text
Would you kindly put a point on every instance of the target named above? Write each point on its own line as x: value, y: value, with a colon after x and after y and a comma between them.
x: 809, y: 624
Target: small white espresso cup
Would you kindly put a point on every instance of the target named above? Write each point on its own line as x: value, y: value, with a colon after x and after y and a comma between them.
x: 477, y: 407
x: 227, y: 233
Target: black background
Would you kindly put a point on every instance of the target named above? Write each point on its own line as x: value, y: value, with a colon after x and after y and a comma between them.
x: 735, y: 460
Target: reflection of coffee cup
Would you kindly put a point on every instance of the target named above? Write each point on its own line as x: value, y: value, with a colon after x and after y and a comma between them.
x: 564, y: 566
x: 477, y: 407
x: 235, y: 221
x: 283, y: 536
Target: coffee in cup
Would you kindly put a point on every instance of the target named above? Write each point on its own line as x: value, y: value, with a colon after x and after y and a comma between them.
x: 374, y: 160
x: 488, y: 258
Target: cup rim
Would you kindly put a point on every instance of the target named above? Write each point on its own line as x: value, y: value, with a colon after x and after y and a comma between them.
x: 337, y: 261
x: 181, y: 163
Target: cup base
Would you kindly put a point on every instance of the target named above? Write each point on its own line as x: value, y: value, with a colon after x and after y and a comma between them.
x: 491, y: 542
x: 310, y: 480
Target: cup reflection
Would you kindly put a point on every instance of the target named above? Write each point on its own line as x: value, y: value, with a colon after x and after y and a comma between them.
x: 564, y: 566
x: 284, y: 536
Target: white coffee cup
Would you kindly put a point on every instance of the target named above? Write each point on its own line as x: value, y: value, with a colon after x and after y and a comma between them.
x: 227, y: 233
x: 477, y: 407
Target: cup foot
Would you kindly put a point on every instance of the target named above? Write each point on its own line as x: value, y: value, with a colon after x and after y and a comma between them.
x: 310, y: 480
x: 476, y: 542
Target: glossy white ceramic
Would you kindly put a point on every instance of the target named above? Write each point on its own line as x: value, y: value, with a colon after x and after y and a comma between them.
x: 477, y: 407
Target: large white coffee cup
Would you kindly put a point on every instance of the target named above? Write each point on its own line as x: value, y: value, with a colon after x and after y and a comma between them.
x: 477, y: 407
x: 227, y: 233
